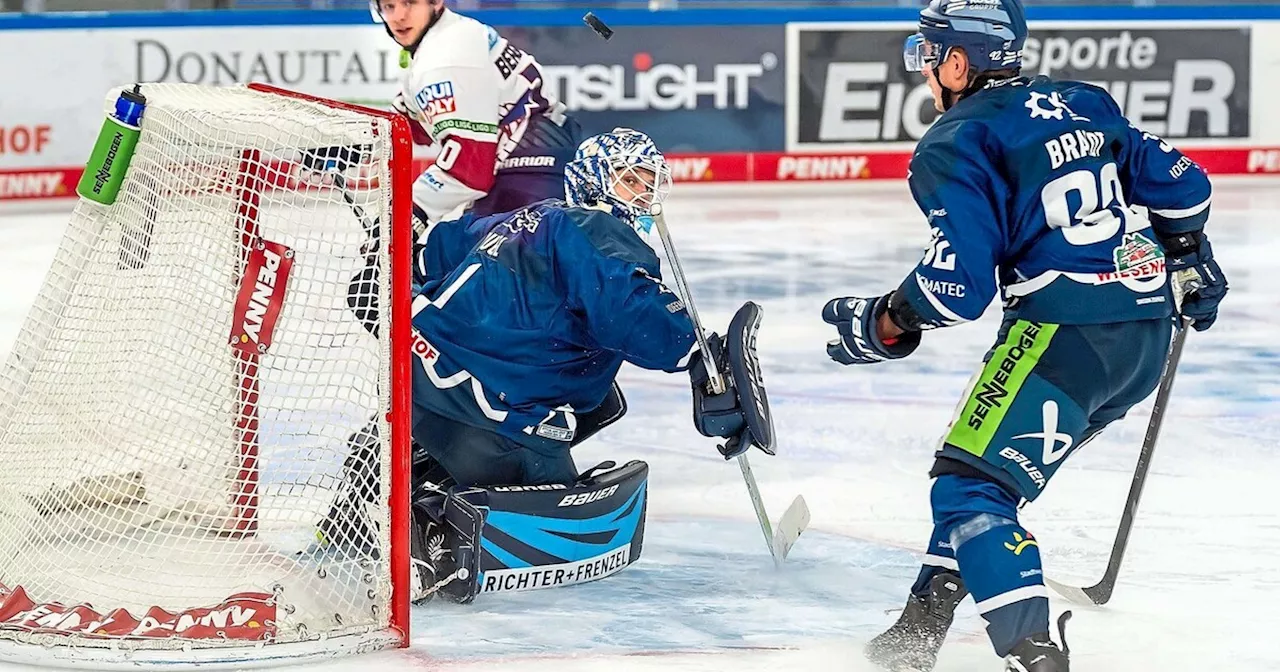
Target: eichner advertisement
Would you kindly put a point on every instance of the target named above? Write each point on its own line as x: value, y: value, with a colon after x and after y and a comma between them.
x: 850, y: 89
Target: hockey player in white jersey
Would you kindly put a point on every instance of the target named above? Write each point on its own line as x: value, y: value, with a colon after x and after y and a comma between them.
x: 503, y: 142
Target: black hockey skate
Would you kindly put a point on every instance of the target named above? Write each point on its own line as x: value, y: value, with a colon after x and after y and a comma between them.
x: 1038, y: 653
x: 912, y: 643
x: 348, y: 527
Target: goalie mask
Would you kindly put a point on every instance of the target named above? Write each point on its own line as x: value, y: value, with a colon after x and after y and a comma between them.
x: 621, y: 172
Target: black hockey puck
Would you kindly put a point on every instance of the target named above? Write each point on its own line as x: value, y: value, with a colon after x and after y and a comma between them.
x: 597, y: 25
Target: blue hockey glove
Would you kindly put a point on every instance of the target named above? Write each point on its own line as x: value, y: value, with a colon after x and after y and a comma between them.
x: 715, y: 415
x: 741, y: 413
x: 855, y: 318
x: 1202, y: 282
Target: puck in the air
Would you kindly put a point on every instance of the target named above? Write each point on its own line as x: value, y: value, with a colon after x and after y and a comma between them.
x: 597, y: 25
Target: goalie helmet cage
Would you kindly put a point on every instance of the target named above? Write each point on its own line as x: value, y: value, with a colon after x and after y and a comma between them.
x: 178, y: 410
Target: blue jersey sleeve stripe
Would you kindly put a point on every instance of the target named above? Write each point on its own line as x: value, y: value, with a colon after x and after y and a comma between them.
x: 420, y: 303
x: 1185, y: 212
x: 684, y: 361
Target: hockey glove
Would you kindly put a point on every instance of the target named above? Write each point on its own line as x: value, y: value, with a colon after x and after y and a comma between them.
x: 336, y: 158
x: 1201, y: 280
x: 855, y: 318
x: 740, y: 413
x: 420, y: 135
x: 716, y: 415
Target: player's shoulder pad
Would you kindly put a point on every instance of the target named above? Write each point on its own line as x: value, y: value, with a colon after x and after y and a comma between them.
x: 960, y: 145
x: 1085, y: 98
x: 610, y: 236
x: 455, y: 41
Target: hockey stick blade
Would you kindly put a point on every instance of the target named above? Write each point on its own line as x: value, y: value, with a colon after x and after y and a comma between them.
x: 789, y: 528
x: 1092, y: 596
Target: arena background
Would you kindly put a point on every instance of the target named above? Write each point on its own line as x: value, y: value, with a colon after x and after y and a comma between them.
x: 733, y: 91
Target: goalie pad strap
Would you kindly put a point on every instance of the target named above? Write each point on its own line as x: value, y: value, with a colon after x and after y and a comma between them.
x: 608, y: 412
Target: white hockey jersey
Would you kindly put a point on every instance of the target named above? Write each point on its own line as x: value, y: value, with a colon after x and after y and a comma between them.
x: 474, y: 93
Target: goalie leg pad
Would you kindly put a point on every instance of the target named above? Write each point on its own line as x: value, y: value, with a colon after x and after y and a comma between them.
x: 528, y: 537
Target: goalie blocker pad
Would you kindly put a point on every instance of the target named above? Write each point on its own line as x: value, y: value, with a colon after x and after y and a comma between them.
x: 741, y: 414
x: 529, y: 537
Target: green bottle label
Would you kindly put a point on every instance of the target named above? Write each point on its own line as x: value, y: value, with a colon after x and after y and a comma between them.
x: 104, y: 173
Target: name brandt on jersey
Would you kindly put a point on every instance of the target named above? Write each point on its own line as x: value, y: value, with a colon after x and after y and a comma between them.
x: 1074, y: 145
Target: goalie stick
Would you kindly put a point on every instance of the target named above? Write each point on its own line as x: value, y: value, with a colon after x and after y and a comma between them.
x: 781, y: 538
x: 796, y: 518
x: 1100, y: 592
x: 332, y: 161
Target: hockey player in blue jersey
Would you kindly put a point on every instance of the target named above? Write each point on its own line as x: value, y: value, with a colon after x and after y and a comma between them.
x: 1040, y: 189
x: 521, y: 323
x: 538, y: 316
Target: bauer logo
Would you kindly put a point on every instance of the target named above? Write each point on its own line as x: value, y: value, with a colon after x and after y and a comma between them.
x: 529, y: 488
x: 851, y: 90
x: 588, y: 497
x: 261, y: 297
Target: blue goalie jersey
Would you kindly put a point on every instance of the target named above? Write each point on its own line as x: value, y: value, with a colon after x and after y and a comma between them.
x: 1044, y: 190
x: 522, y: 319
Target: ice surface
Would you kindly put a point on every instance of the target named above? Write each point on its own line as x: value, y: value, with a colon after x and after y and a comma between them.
x: 1199, y: 587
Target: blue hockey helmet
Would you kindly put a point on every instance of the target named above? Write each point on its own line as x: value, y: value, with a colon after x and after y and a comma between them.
x: 621, y: 172
x: 991, y: 32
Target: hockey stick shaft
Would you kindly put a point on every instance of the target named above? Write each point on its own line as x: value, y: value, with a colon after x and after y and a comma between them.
x: 762, y: 516
x: 717, y: 382
x: 677, y: 273
x: 369, y: 225
x: 1100, y: 593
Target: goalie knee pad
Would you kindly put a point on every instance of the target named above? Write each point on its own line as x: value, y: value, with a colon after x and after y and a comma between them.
x: 527, y: 537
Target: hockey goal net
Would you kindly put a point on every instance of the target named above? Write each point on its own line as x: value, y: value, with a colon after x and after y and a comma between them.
x: 177, y: 412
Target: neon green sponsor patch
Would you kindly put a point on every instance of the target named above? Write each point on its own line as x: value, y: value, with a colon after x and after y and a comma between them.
x: 999, y: 383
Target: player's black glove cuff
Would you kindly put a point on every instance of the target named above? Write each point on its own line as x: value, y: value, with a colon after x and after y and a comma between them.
x: 859, y: 343
x: 1198, y: 277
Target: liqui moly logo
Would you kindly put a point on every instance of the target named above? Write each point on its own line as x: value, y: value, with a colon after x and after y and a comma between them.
x: 261, y: 296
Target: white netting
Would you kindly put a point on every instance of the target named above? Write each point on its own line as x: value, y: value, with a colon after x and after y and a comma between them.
x: 148, y: 463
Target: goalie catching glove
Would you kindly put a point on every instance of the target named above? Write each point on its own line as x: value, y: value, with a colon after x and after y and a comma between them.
x: 740, y: 413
